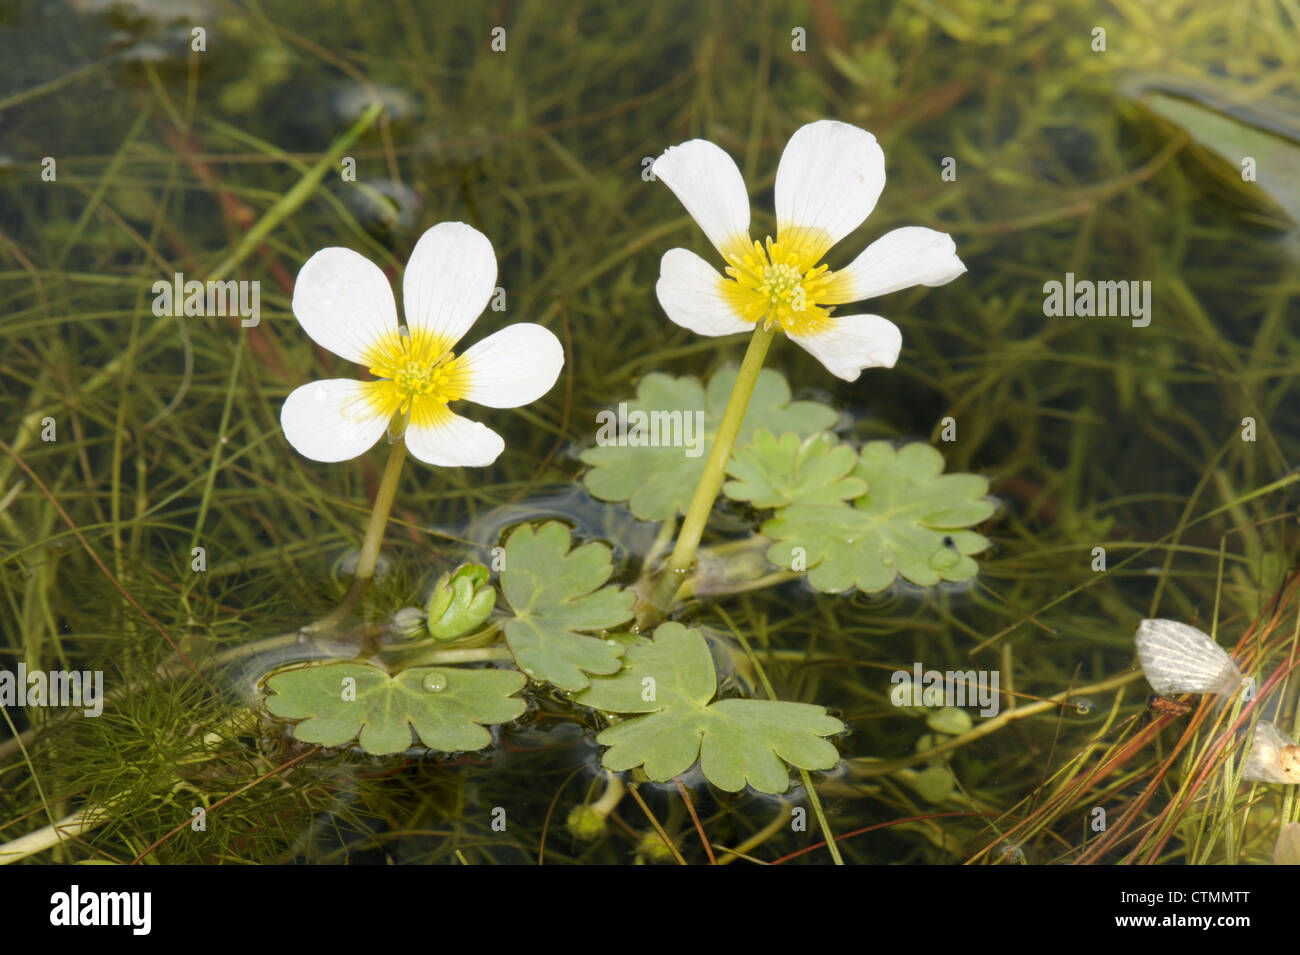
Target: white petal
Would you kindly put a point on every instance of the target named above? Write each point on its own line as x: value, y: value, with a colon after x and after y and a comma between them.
x: 439, y: 437
x: 333, y: 420
x: 852, y: 343
x: 1267, y: 762
x: 449, y: 280
x: 512, y: 367
x: 1177, y: 658
x: 827, y: 183
x: 711, y: 188
x: 690, y: 291
x: 897, y: 260
x: 344, y: 302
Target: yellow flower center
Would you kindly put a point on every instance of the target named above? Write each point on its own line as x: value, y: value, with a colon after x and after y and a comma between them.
x: 419, y: 374
x: 779, y: 283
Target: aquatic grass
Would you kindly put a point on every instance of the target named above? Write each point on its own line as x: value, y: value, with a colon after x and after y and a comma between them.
x: 1192, y: 792
x: 1091, y: 435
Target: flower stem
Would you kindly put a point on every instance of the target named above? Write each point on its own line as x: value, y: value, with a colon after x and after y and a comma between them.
x: 374, y: 537
x: 715, y: 469
x: 379, y: 516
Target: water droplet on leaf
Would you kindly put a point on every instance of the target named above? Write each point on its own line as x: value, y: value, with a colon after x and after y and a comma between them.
x: 944, y: 560
x: 434, y: 682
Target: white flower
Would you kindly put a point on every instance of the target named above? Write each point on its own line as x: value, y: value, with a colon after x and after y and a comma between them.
x: 827, y: 183
x: 344, y: 302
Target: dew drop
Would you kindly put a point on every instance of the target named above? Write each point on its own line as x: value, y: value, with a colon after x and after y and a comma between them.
x: 944, y: 560
x: 434, y: 682
x: 1083, y: 705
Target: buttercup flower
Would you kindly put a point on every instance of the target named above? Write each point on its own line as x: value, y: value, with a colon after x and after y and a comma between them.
x: 344, y: 302
x: 827, y: 183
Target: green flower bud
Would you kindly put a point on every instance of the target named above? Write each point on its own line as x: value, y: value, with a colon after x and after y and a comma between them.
x: 407, y: 623
x: 652, y: 848
x: 461, y: 601
x: 585, y: 823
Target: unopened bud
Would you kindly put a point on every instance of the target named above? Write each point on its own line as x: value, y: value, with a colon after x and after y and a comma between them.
x: 461, y: 601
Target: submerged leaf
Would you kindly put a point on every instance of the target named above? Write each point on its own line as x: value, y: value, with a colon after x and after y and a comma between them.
x: 672, y: 680
x: 1270, y: 136
x: 657, y: 481
x: 777, y: 473
x: 447, y: 706
x: 555, y: 593
x: 908, y: 522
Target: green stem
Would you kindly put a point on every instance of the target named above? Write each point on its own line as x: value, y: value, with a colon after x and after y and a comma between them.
x: 715, y: 469
x: 379, y: 516
x: 456, y: 655
x: 808, y: 786
x: 374, y: 538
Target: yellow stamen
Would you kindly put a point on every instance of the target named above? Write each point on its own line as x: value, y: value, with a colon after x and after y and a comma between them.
x: 779, y: 284
x: 419, y: 374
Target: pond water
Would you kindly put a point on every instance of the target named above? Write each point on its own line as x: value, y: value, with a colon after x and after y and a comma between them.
x: 1136, y: 421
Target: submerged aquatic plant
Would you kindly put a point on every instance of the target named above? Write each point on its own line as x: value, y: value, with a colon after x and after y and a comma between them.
x: 1091, y: 434
x: 548, y: 620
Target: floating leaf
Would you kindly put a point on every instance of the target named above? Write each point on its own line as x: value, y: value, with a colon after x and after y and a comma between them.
x: 776, y: 473
x: 447, y: 706
x: 907, y: 523
x: 555, y: 593
x: 657, y: 481
x: 736, y: 741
